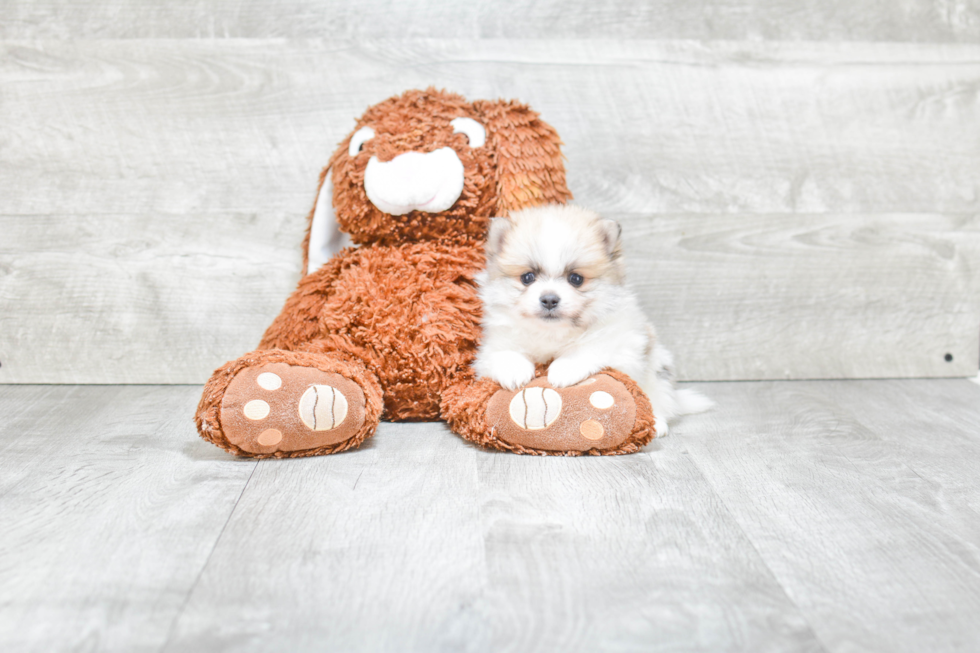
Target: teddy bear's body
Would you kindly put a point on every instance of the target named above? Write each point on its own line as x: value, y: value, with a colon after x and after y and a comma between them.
x: 388, y: 327
x: 409, y: 312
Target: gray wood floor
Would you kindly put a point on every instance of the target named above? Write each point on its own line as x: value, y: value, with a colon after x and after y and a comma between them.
x: 804, y: 515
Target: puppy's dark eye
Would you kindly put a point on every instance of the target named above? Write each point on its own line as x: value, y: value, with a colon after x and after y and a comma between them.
x: 576, y: 279
x: 527, y: 278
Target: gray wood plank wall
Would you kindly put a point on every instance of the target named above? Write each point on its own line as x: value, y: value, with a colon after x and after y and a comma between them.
x: 799, y: 181
x: 812, y: 20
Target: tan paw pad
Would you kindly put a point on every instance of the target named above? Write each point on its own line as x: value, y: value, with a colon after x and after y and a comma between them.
x: 269, y: 437
x: 256, y: 409
x: 269, y: 381
x: 322, y: 408
x: 591, y: 430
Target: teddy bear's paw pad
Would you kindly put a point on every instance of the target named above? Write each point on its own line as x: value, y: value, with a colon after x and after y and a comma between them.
x: 535, y: 408
x: 598, y: 413
x: 280, y: 407
x: 323, y: 407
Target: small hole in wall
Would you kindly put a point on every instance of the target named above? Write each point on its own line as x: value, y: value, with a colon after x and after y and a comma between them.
x: 948, y: 358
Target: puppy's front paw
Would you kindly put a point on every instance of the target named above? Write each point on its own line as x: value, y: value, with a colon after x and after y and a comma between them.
x: 511, y: 369
x: 564, y: 372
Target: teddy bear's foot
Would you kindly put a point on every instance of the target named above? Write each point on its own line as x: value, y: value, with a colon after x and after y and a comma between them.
x: 598, y: 415
x: 281, y: 403
x: 280, y: 407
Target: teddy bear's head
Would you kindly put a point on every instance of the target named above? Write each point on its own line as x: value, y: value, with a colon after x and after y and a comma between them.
x: 428, y: 165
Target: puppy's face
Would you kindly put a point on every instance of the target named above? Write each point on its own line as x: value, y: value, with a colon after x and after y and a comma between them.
x: 552, y: 263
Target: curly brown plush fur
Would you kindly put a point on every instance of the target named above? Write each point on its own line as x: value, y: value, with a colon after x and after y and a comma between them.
x: 399, y: 315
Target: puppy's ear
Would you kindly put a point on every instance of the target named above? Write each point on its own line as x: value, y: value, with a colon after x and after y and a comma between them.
x: 499, y: 228
x: 611, y: 236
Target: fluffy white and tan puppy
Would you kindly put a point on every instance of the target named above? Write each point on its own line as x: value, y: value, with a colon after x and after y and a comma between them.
x: 554, y: 290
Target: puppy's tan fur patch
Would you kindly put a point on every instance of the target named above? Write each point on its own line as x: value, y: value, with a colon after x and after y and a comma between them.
x: 593, y: 249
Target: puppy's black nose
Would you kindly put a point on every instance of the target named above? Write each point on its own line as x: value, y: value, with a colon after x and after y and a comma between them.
x: 550, y: 301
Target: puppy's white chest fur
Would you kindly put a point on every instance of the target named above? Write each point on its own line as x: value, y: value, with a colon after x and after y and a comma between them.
x: 540, y: 341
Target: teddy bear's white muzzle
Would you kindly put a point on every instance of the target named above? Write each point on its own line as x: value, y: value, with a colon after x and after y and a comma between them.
x: 430, y: 182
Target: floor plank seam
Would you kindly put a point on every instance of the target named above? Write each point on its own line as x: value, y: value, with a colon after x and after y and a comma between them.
x: 207, y: 561
x: 758, y: 553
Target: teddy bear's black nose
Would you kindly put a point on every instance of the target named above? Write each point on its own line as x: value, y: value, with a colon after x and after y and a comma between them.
x: 550, y: 301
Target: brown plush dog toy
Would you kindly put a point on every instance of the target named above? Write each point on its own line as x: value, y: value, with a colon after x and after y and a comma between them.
x: 387, y: 328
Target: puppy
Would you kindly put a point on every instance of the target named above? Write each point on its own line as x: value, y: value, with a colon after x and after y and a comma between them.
x: 554, y: 290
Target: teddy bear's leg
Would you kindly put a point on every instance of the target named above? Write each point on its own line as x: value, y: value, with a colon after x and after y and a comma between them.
x: 279, y: 403
x: 606, y: 414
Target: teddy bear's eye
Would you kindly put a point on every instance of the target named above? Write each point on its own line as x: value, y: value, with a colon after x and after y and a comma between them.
x: 473, y: 130
x: 357, y: 141
x: 527, y: 278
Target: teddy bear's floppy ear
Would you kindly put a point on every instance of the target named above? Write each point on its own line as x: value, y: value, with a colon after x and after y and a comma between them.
x: 529, y: 164
x: 324, y: 237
